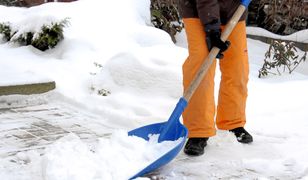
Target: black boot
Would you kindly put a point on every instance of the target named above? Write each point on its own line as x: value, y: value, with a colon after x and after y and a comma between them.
x: 242, y: 135
x: 195, y: 146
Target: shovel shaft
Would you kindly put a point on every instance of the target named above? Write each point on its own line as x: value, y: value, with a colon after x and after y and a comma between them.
x: 172, y: 129
x: 213, y: 53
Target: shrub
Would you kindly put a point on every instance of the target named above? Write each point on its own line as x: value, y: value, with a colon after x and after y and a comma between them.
x: 281, y: 16
x: 165, y: 16
x: 281, y: 56
x: 48, y: 36
x: 13, y: 3
x: 5, y: 29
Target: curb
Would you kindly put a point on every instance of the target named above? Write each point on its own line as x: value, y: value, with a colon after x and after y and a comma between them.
x: 27, y: 89
x: 302, y: 46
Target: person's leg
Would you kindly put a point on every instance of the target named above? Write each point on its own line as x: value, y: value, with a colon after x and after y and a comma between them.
x: 234, y: 78
x: 199, y: 115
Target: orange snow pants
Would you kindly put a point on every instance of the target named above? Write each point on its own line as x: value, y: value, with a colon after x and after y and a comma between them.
x: 200, y: 113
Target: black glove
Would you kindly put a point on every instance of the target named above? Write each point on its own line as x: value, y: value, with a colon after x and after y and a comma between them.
x: 213, y: 39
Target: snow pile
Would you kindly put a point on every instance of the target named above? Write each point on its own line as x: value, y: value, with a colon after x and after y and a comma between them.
x: 11, y: 78
x: 119, y: 157
x: 141, y: 66
x: 300, y: 36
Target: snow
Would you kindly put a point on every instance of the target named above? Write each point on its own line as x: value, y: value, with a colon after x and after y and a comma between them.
x: 13, y: 78
x: 70, y: 158
x: 141, y: 68
x: 300, y: 36
x: 118, y: 157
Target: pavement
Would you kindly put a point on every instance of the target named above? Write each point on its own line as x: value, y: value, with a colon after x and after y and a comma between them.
x: 32, y: 117
x: 33, y: 122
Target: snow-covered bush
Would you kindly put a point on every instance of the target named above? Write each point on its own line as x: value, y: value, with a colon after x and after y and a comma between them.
x: 165, y: 16
x: 281, y: 56
x: 46, y: 37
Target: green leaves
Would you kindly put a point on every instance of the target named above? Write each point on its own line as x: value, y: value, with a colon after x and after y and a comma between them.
x: 48, y: 36
x: 281, y: 56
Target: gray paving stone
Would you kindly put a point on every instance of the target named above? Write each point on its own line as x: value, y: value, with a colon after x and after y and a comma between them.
x: 36, y: 126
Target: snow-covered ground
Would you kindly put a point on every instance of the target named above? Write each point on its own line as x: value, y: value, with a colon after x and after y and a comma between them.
x: 141, y: 68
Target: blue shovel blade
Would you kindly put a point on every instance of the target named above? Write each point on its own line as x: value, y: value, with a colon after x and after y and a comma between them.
x: 144, y: 133
x: 170, y: 130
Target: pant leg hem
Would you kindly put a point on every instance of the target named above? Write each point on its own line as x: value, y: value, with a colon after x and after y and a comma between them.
x: 201, y: 135
x: 229, y: 127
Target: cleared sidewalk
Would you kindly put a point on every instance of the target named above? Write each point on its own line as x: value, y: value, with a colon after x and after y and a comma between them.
x: 33, y: 122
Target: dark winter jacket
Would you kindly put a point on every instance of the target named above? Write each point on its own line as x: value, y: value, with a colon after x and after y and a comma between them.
x: 212, y: 13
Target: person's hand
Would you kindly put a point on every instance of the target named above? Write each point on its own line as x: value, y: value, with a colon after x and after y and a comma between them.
x: 213, y: 40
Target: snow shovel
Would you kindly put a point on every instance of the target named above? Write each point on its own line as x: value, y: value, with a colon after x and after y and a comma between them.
x: 172, y: 129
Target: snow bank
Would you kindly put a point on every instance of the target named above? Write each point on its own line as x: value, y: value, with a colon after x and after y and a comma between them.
x: 300, y: 36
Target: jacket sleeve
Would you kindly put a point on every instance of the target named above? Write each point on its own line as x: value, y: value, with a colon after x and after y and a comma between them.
x: 209, y: 13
